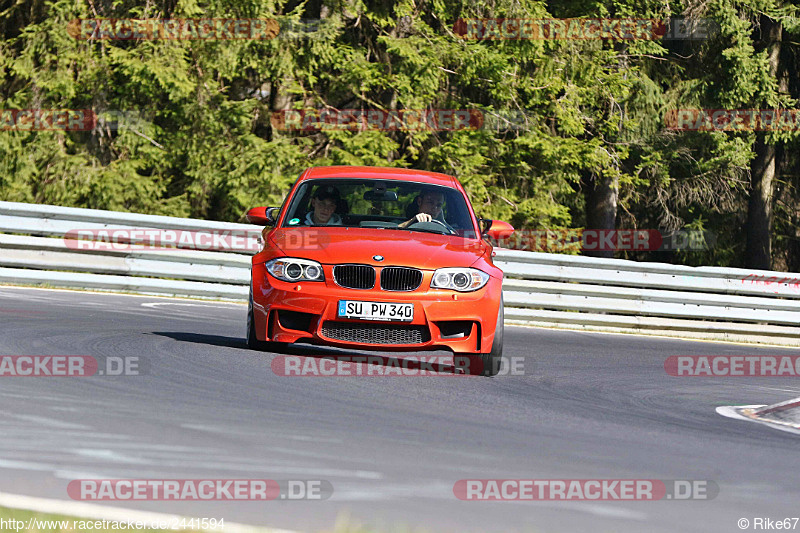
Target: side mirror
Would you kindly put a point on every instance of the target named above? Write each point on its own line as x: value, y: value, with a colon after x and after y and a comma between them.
x: 496, y: 229
x: 262, y: 216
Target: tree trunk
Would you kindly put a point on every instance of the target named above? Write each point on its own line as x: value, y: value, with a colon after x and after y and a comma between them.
x: 758, y: 253
x: 759, y: 212
x: 601, y: 196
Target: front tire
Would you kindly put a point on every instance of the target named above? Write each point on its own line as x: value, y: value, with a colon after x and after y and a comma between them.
x: 252, y: 341
x: 488, y: 364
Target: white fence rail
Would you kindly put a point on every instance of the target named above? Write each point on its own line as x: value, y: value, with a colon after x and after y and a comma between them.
x: 540, y: 289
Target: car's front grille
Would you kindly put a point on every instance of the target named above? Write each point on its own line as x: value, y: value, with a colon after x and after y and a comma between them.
x: 375, y: 333
x: 400, y: 279
x: 354, y: 276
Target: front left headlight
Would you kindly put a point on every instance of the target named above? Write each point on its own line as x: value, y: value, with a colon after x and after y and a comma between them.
x: 459, y: 279
x: 292, y: 269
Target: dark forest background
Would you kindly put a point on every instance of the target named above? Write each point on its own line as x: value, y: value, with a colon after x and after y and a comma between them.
x: 593, y: 150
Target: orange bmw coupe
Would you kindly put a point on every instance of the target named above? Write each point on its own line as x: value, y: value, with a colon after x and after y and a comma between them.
x: 378, y: 259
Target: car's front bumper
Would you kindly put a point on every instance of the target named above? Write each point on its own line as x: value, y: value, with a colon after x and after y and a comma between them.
x: 308, y: 311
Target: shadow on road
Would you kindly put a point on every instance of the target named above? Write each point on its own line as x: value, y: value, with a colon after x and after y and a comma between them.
x: 202, y: 338
x: 339, y: 354
x: 308, y: 350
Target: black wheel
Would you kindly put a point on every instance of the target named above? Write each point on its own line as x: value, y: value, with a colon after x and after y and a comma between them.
x: 252, y: 341
x: 487, y: 364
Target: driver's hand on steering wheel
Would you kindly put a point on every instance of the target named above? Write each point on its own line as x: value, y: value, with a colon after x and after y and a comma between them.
x: 419, y: 217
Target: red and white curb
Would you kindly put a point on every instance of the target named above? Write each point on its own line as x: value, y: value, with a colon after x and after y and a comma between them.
x: 762, y: 414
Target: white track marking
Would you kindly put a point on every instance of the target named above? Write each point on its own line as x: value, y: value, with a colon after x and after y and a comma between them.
x: 108, y: 455
x: 772, y: 388
x: 47, y: 422
x: 156, y: 304
x: 113, y: 293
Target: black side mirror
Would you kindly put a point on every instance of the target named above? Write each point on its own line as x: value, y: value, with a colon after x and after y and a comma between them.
x: 263, y: 216
x: 272, y: 215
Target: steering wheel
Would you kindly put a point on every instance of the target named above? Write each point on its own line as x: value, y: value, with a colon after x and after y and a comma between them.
x: 442, y: 224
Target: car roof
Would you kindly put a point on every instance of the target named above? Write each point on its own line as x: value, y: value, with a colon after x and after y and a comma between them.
x: 433, y: 178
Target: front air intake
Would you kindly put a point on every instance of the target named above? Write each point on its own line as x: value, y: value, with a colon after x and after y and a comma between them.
x: 375, y: 333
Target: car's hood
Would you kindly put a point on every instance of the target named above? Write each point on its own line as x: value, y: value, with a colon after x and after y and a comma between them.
x: 334, y: 245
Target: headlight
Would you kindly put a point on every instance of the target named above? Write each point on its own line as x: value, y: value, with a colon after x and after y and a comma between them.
x: 459, y: 279
x: 291, y: 269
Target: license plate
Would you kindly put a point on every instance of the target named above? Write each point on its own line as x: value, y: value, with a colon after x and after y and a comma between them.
x: 376, y: 310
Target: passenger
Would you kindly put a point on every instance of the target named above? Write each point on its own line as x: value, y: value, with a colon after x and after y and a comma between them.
x: 429, y: 208
x: 324, y: 204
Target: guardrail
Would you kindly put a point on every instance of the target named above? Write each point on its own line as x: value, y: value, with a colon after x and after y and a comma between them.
x: 540, y: 289
x: 37, y: 258
x: 615, y: 295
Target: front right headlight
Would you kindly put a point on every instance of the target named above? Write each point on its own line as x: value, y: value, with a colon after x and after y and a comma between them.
x: 459, y: 279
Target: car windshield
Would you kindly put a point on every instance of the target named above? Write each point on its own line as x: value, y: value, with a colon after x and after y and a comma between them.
x: 380, y: 204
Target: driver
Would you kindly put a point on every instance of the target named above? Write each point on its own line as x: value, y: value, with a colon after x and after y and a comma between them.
x: 323, y: 204
x: 429, y: 208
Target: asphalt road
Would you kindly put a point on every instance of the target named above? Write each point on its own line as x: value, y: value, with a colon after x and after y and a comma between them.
x: 589, y: 406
